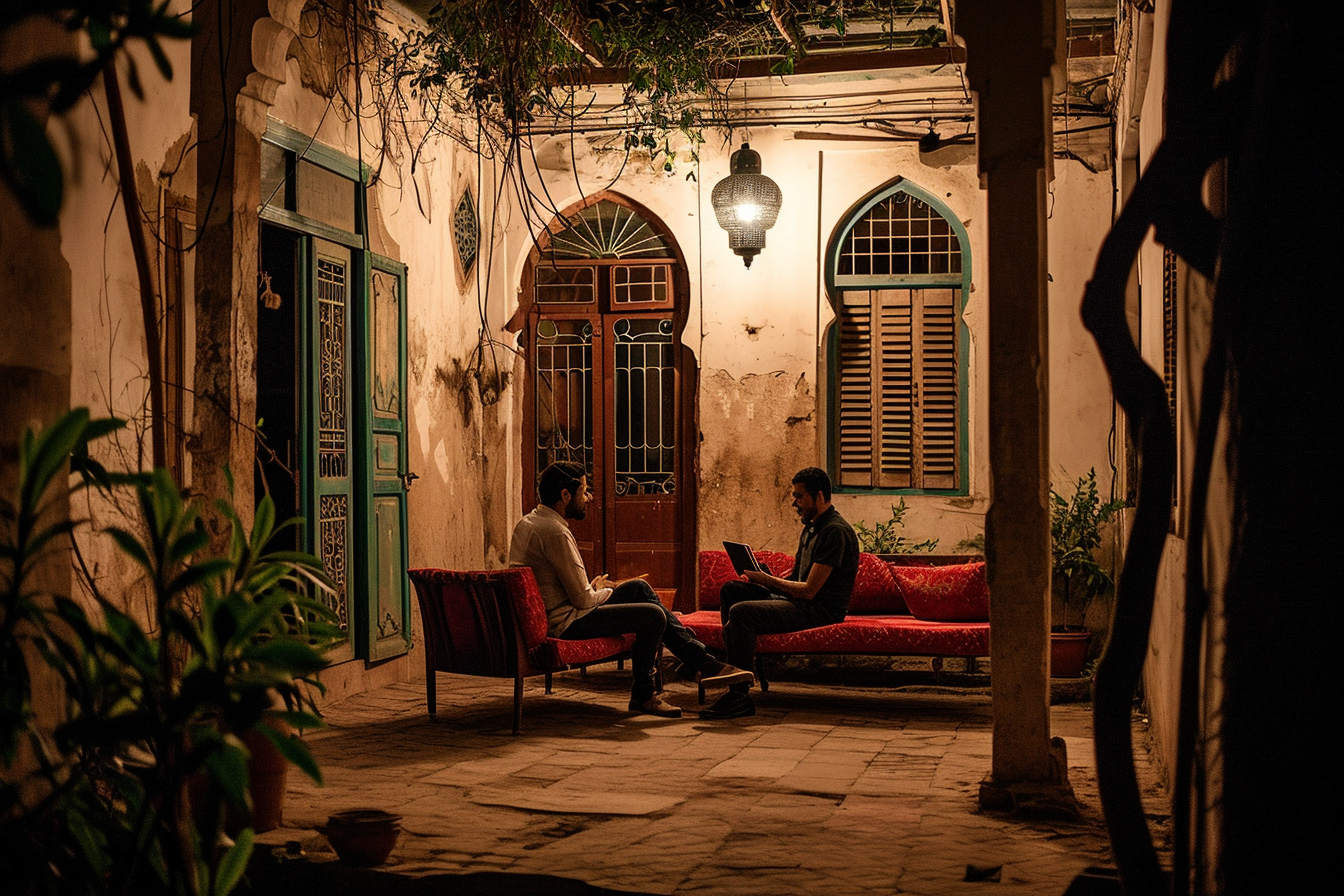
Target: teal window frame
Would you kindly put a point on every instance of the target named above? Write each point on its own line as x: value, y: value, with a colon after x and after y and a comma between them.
x: 837, y: 284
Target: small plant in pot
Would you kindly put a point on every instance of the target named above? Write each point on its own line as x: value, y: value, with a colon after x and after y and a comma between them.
x: 887, y: 538
x: 1079, y: 579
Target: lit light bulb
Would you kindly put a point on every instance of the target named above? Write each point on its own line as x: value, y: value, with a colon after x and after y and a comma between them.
x: 748, y: 212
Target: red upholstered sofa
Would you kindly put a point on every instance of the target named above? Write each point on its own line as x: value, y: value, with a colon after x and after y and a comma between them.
x: 902, y: 608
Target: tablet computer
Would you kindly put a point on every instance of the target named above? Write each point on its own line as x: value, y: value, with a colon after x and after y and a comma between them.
x: 742, y: 556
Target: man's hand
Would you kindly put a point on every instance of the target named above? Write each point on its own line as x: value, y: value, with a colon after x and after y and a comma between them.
x: 759, y: 578
x: 602, y: 581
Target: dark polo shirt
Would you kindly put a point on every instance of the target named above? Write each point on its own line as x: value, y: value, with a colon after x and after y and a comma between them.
x: 830, y: 541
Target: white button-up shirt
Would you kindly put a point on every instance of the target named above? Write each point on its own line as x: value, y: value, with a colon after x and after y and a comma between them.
x: 543, y: 541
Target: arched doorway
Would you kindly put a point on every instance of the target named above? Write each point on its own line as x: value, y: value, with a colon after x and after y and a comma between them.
x: 610, y: 386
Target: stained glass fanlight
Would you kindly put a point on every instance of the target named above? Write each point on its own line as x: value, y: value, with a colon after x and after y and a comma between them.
x: 746, y: 203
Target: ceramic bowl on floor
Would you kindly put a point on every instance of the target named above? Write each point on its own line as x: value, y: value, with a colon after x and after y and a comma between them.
x: 362, y: 836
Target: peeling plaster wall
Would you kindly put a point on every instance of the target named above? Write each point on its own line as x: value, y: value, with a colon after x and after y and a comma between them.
x: 108, y: 355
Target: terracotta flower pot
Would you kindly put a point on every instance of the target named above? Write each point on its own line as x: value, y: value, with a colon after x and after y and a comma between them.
x: 268, y: 774
x: 1068, y: 653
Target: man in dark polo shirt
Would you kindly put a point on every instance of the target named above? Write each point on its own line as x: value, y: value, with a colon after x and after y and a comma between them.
x: 815, y: 593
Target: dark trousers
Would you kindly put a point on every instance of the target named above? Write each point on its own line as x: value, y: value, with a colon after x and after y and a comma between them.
x: 676, y: 637
x: 748, y: 610
x: 634, y: 608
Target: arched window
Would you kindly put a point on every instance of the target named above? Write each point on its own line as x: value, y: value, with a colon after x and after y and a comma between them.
x: 898, y: 271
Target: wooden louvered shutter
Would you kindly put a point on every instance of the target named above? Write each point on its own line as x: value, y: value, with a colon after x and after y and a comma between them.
x: 896, y: 337
x: 898, y: 389
x: 937, y: 396
x: 856, y: 417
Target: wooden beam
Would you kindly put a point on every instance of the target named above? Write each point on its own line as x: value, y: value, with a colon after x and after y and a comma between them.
x: 813, y: 64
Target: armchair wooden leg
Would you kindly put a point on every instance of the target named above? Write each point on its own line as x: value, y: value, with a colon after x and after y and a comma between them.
x: 517, y: 704
x: 431, y: 693
x: 548, y: 682
x: 760, y: 676
x: 937, y: 670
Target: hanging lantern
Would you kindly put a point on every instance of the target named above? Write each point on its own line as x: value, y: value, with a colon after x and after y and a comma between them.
x: 746, y: 203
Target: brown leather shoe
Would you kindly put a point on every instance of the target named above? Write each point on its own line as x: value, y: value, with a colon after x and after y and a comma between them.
x: 656, y: 706
x: 722, y: 675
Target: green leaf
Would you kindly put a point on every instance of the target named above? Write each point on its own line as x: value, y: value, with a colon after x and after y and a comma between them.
x: 47, y: 453
x: 289, y: 656
x: 295, y: 751
x: 234, y: 863
x: 198, y: 573
x: 227, y: 764
x: 131, y: 546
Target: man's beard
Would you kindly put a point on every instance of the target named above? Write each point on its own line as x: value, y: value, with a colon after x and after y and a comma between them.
x: 574, y: 510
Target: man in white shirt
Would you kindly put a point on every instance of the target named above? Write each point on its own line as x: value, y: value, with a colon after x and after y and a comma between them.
x: 577, y: 608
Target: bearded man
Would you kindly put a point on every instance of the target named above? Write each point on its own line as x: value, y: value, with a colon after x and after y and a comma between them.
x: 577, y: 608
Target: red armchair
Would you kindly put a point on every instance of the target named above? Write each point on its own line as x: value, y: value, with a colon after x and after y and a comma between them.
x: 493, y: 623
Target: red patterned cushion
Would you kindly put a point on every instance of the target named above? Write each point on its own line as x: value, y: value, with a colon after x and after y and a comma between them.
x: 944, y: 593
x: 875, y: 588
x: 557, y: 653
x: 878, y: 635
x: 716, y: 568
x: 528, y: 607
x: 706, y: 625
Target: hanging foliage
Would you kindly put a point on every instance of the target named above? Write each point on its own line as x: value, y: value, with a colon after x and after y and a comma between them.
x: 512, y: 64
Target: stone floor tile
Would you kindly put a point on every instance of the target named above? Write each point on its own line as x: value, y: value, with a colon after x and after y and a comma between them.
x: 826, y: 790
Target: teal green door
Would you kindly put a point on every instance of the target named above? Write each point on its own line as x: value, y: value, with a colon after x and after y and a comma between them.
x: 331, y: 498
x: 356, y: 396
x: 331, y: 388
x: 385, y: 624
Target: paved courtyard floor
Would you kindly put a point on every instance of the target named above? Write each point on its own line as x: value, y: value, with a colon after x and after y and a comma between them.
x: 827, y: 790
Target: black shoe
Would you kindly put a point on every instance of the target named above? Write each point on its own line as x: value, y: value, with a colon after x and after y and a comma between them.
x: 732, y: 705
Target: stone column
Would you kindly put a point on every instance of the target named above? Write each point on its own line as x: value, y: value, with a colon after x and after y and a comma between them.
x: 1010, y: 54
x: 238, y: 61
x: 34, y: 383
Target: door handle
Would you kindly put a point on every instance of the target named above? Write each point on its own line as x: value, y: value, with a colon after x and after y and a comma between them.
x: 407, y: 479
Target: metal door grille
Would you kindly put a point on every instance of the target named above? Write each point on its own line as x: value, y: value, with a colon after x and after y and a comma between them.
x: 645, y: 430
x: 331, y: 438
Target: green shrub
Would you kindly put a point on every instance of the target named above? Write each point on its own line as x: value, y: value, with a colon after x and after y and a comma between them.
x: 99, y: 802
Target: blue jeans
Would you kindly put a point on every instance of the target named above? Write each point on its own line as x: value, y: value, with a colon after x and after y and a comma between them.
x: 748, y: 610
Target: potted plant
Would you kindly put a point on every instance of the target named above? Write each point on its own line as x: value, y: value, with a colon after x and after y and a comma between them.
x: 886, y: 539
x: 96, y: 794
x: 1075, y: 536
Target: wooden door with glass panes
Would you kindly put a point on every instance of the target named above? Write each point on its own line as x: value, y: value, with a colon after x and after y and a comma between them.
x: 604, y: 389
